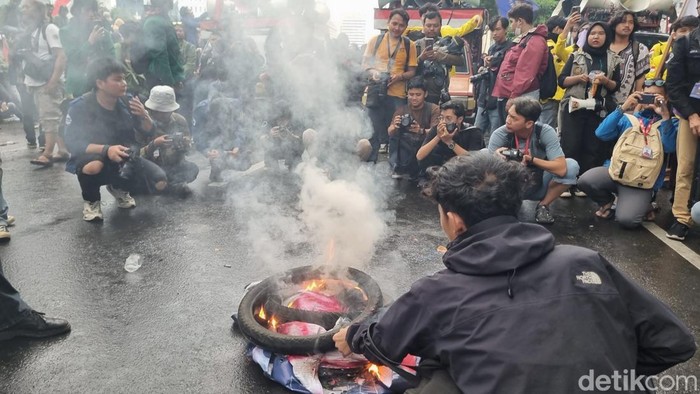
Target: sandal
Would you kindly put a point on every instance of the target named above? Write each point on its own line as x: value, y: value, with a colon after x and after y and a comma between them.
x: 46, y: 162
x: 606, y: 212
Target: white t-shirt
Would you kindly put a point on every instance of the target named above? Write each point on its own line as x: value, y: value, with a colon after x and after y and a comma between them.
x: 42, y: 50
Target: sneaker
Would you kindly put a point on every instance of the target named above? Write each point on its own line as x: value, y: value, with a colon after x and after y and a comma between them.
x: 543, y: 216
x: 580, y: 193
x: 124, y: 199
x: 31, y: 145
x: 4, y: 234
x: 383, y: 148
x: 35, y: 325
x: 396, y: 175
x: 92, y: 211
x: 566, y: 194
x: 10, y: 220
x: 677, y: 231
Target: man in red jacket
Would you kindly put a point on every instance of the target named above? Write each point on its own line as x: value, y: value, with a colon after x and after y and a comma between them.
x: 525, y: 62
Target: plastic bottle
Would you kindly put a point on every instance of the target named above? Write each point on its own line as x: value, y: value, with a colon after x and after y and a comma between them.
x: 133, y: 262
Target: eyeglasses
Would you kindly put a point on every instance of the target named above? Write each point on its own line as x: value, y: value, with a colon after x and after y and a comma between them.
x: 654, y: 82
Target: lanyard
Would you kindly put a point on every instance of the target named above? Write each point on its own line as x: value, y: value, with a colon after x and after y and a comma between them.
x: 390, y: 64
x: 527, y: 144
x: 645, y: 128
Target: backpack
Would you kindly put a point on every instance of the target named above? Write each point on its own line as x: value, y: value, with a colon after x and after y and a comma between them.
x: 138, y: 53
x: 548, y: 80
x: 627, y: 165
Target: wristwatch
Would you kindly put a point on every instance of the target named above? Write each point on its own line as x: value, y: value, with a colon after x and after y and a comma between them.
x: 451, y: 145
x: 105, y: 150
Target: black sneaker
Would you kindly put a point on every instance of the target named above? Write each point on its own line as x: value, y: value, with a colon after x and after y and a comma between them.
x: 35, y: 325
x: 543, y: 216
x: 677, y: 231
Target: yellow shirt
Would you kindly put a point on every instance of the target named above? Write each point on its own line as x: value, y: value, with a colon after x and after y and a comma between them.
x: 381, y: 60
x: 449, y: 31
x: 561, y: 54
x: 657, y: 53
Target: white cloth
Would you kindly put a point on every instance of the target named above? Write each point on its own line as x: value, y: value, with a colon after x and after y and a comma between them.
x: 42, y: 49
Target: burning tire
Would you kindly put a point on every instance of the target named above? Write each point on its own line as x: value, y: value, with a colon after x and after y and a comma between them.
x: 266, y: 295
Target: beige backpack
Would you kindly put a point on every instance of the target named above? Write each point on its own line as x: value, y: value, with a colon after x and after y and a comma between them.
x: 630, y: 165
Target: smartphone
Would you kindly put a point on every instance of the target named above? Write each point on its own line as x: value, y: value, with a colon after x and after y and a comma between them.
x: 575, y: 9
x: 429, y: 44
x: 647, y: 99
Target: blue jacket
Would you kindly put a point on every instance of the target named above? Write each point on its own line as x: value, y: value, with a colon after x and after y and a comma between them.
x: 616, y: 123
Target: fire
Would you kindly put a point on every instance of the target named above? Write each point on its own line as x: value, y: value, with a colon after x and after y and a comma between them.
x: 261, y: 313
x: 313, y: 286
x: 273, y: 323
x: 374, y: 370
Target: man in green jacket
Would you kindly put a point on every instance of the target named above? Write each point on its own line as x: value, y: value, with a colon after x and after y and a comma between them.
x: 84, y: 39
x: 163, y: 50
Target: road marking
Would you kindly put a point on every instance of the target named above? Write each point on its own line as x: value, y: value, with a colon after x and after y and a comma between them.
x: 685, y: 252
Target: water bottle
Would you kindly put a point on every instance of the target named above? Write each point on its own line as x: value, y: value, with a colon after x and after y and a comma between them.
x: 133, y: 262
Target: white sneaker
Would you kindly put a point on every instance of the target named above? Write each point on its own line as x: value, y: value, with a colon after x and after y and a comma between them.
x: 92, y: 211
x: 10, y: 220
x: 124, y: 199
x: 566, y: 194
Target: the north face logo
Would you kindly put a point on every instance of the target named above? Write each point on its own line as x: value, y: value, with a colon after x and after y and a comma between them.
x: 589, y: 278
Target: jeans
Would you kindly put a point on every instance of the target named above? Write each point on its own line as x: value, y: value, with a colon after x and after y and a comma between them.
x: 503, y: 101
x: 550, y: 113
x: 181, y: 173
x: 12, y: 307
x: 487, y: 120
x: 632, y: 203
x: 569, y: 178
x: 143, y: 178
x: 381, y: 118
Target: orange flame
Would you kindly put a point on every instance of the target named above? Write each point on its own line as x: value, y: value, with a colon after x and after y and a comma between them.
x: 313, y: 286
x: 330, y: 251
x: 273, y: 323
x: 374, y: 370
x: 261, y: 313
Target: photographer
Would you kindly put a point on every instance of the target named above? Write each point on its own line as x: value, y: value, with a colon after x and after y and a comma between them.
x: 435, y: 58
x: 536, y: 146
x: 171, y: 141
x: 488, y: 118
x: 284, y: 140
x: 653, y: 119
x: 408, y: 129
x: 451, y: 137
x: 101, y: 128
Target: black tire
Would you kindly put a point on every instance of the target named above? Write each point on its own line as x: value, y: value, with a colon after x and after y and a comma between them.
x: 285, y: 344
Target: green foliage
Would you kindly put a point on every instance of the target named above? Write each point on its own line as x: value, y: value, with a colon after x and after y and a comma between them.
x: 545, y: 11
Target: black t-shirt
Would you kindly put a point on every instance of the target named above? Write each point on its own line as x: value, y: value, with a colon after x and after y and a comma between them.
x: 469, y: 138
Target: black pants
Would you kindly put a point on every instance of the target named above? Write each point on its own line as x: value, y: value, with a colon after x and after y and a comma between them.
x: 578, y: 138
x: 142, y: 179
x: 28, y: 113
x: 181, y: 173
x: 12, y: 307
x: 433, y: 159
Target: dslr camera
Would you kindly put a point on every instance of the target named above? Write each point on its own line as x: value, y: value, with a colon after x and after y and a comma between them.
x: 127, y: 169
x: 405, y: 121
x: 513, y: 154
x: 179, y: 142
x: 483, y: 75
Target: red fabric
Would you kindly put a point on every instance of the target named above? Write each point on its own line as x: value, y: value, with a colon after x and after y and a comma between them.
x: 57, y: 5
x: 520, y: 70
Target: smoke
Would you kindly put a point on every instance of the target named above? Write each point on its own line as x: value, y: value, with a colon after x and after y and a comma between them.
x: 332, y: 208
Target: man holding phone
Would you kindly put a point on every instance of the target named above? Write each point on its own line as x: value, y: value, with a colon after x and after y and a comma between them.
x: 434, y: 63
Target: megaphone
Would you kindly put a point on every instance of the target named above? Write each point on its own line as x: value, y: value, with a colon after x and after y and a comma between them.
x: 577, y: 104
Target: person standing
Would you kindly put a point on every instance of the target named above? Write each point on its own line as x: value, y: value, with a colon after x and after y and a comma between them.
x: 391, y: 60
x: 683, y: 87
x: 47, y: 89
x: 634, y: 54
x: 162, y: 47
x: 524, y: 63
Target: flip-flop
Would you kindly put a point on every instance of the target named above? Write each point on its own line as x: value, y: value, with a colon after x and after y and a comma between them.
x: 607, y: 213
x: 38, y: 162
x: 61, y: 158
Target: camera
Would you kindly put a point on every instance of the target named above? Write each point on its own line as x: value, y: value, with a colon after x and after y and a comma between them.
x: 482, y: 76
x: 445, y: 96
x: 647, y: 99
x: 513, y: 154
x: 128, y: 165
x: 406, y: 121
x: 179, y: 141
x: 435, y: 71
x: 451, y: 127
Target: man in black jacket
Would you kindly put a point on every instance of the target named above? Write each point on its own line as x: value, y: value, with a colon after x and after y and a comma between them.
x: 683, y: 87
x: 512, y: 312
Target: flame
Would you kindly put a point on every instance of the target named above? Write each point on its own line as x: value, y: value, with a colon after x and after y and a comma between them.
x: 273, y: 323
x: 261, y: 313
x: 313, y: 286
x: 374, y: 370
x: 330, y: 251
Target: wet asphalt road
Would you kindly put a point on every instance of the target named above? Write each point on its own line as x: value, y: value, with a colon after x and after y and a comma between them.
x: 167, y: 327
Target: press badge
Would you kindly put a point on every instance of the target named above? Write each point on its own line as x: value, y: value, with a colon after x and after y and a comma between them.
x: 647, y: 153
x: 695, y: 93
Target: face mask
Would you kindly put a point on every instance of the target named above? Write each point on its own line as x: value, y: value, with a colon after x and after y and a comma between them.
x: 581, y: 40
x: 517, y: 31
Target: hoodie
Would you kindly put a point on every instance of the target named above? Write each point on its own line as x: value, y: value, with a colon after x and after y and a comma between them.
x: 513, y: 313
x: 523, y: 66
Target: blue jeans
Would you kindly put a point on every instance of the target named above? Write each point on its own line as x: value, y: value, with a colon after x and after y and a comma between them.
x: 550, y: 113
x: 487, y: 120
x: 569, y: 178
x: 12, y: 307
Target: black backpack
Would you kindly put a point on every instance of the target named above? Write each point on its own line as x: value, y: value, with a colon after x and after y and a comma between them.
x: 548, y: 80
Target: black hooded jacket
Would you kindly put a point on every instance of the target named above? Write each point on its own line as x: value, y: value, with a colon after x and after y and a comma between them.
x: 513, y: 313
